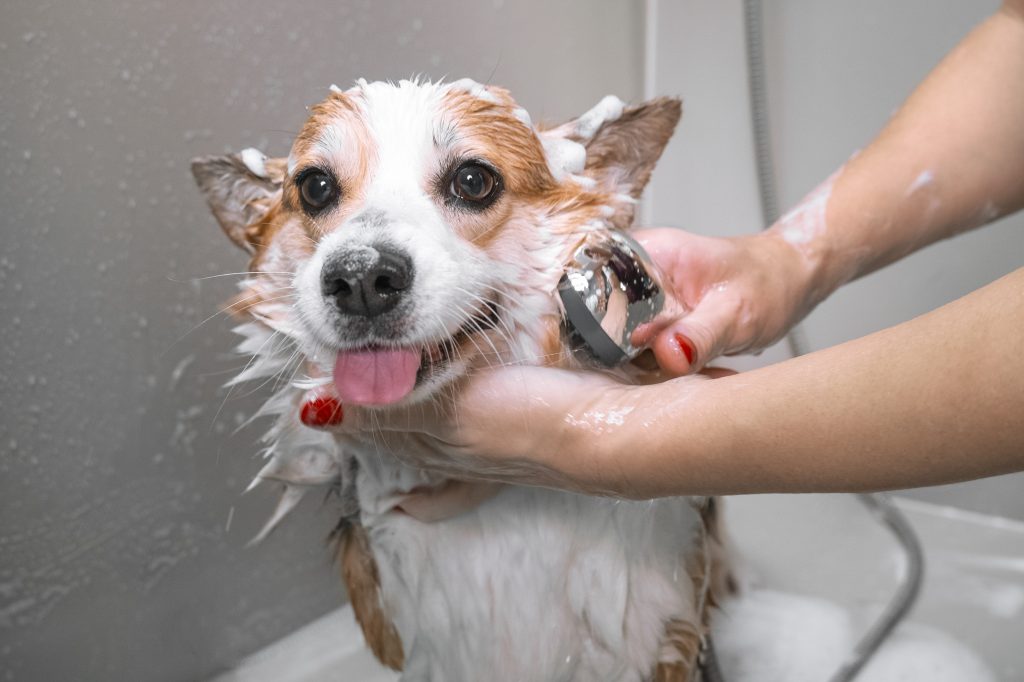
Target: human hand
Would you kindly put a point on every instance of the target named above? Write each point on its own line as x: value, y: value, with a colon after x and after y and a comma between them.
x: 516, y: 423
x: 528, y: 425
x: 737, y: 294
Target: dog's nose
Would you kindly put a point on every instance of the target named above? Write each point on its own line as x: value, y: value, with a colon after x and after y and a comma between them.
x: 366, y: 281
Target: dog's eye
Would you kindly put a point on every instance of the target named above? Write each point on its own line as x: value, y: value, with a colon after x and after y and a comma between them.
x: 473, y: 183
x: 317, y: 189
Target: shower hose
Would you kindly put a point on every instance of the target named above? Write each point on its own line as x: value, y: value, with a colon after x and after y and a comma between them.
x: 880, y: 505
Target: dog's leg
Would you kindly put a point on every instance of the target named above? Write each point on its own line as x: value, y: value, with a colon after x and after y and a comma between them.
x: 681, y: 645
x: 679, y: 652
x: 708, y: 568
x: 359, y: 569
x: 722, y: 583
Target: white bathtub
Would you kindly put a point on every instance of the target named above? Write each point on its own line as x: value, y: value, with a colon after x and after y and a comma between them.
x: 818, y: 545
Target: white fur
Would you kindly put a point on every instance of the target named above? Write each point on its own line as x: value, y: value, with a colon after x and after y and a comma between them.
x: 533, y: 584
x: 476, y: 89
x: 255, y: 161
x: 523, y: 116
x: 565, y: 157
x: 607, y: 110
x: 564, y: 146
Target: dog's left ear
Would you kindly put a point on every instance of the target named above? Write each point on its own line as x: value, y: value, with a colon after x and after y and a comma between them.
x: 241, y: 189
x: 627, y: 148
x: 622, y: 143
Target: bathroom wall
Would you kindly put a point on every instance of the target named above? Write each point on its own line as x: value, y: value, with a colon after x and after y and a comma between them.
x: 835, y: 73
x: 122, y: 466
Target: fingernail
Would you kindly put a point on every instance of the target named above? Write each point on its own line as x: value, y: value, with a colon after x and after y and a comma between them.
x: 321, y: 412
x: 686, y: 347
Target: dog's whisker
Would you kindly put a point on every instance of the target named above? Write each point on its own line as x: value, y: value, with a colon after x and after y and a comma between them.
x: 261, y: 301
x: 226, y: 310
x: 500, y: 306
x: 472, y: 325
x: 483, y: 333
x: 253, y: 359
x: 229, y: 274
x: 273, y: 376
x: 296, y: 359
x: 500, y: 320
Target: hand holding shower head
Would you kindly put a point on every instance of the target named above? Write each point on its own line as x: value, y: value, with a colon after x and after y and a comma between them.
x: 610, y: 288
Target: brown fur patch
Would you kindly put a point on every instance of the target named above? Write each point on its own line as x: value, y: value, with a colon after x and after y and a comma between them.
x: 684, y: 638
x: 553, y: 351
x: 708, y: 568
x: 490, y: 131
x: 270, y: 229
x: 338, y: 112
x: 359, y: 569
x: 239, y: 198
x: 722, y: 581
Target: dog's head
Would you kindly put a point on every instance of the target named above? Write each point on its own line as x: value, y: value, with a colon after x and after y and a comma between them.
x: 415, y: 227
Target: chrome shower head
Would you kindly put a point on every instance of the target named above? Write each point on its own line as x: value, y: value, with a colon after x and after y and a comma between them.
x: 610, y: 287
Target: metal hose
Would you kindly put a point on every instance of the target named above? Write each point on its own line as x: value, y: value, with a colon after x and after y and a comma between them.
x: 761, y: 124
x: 880, y: 505
x: 906, y: 594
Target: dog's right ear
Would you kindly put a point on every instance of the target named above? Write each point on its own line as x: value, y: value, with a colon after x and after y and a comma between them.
x: 241, y: 190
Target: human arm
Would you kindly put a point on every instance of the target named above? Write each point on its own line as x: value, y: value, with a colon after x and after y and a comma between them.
x: 935, y: 400
x: 951, y: 159
x: 930, y: 401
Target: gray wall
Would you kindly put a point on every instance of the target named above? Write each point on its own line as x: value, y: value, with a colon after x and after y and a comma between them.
x: 121, y: 521
x: 835, y: 72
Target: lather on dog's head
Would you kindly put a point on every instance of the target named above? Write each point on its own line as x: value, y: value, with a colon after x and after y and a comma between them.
x: 415, y: 226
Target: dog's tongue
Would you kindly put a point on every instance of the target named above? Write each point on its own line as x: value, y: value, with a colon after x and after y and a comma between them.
x: 375, y: 377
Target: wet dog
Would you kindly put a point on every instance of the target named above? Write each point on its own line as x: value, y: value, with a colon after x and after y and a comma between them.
x: 413, y: 229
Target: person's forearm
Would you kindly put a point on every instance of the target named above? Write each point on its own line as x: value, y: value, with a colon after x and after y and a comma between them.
x: 935, y: 400
x: 951, y: 159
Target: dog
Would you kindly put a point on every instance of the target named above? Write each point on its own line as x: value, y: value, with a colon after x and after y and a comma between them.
x: 413, y: 230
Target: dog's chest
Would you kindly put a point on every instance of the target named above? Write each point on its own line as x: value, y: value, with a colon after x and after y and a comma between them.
x: 533, y: 584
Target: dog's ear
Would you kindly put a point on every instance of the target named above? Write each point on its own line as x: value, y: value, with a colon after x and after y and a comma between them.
x: 241, y: 190
x: 625, y: 149
x: 622, y: 143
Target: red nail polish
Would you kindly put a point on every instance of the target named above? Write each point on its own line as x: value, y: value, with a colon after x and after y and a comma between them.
x: 321, y: 412
x: 686, y: 347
